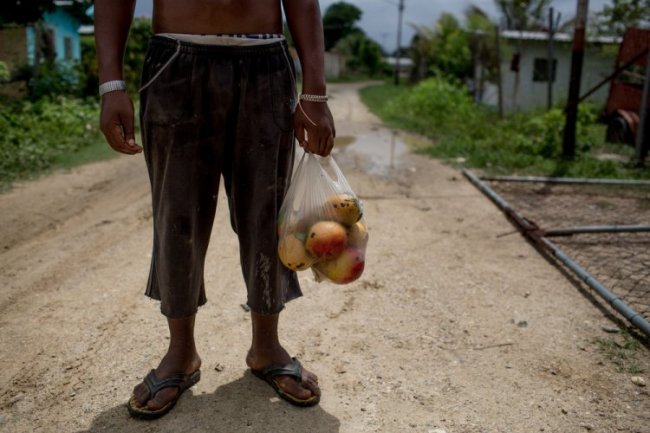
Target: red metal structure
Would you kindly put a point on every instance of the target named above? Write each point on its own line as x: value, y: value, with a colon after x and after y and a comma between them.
x: 625, y: 90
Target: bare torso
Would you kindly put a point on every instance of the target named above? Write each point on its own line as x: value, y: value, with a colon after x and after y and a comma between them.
x: 217, y: 16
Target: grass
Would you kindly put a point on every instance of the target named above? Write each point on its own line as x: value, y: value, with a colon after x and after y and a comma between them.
x: 97, y: 150
x: 47, y: 135
x: 622, y: 349
x: 471, y: 136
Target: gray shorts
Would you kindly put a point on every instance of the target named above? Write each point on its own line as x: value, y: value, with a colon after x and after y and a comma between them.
x: 209, y: 111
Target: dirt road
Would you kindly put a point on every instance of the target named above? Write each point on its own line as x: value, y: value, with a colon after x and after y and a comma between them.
x: 453, y: 328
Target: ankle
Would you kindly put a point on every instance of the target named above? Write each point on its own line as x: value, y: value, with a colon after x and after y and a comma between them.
x: 181, y: 360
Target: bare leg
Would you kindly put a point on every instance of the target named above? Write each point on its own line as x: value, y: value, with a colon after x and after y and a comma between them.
x: 181, y: 357
x: 266, y: 350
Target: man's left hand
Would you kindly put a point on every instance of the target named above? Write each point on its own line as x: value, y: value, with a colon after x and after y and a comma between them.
x: 314, y: 127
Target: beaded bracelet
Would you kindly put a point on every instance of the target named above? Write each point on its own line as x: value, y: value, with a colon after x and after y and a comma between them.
x: 313, y: 98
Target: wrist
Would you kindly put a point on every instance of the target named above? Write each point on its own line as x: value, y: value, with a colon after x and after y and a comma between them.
x: 307, y: 97
x: 314, y: 88
x: 111, y: 86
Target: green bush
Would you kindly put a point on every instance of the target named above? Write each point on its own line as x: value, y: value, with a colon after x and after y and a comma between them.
x: 529, y: 143
x: 4, y: 72
x: 35, y: 134
x: 434, y: 106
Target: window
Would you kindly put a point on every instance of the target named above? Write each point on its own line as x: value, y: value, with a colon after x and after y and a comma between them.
x: 67, y: 48
x: 540, y: 70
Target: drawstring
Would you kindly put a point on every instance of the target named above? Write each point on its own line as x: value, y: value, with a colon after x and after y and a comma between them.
x: 160, y: 71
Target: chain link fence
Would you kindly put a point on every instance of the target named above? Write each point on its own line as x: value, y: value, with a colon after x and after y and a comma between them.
x: 620, y: 261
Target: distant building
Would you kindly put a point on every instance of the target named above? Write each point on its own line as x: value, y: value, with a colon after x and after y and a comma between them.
x: 528, y: 52
x: 405, y: 65
x: 61, y: 28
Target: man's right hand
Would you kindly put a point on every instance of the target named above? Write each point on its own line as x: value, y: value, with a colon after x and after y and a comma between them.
x: 116, y: 122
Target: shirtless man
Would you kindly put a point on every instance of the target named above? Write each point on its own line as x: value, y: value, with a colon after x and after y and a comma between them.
x: 218, y: 99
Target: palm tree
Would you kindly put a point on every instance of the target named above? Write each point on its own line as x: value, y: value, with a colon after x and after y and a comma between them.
x: 523, y: 14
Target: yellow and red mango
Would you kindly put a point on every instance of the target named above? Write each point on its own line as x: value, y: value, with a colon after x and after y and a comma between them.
x: 345, y: 268
x: 326, y: 240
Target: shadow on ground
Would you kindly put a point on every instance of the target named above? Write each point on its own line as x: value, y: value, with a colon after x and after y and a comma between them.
x: 244, y: 405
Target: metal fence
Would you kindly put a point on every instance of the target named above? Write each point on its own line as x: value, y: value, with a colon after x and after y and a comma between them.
x: 599, y: 229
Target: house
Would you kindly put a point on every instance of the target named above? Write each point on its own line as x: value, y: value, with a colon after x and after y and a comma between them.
x: 59, y: 37
x: 525, y: 69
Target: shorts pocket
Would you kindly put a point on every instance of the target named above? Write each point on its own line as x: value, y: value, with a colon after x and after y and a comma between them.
x: 167, y: 90
x: 283, y: 85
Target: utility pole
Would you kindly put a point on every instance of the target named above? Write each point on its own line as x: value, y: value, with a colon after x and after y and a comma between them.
x: 569, y: 139
x: 549, y: 62
x: 400, y: 9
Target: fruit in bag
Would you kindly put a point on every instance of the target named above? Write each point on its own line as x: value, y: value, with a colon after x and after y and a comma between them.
x: 345, y: 208
x: 293, y: 254
x: 345, y: 268
x: 358, y: 235
x: 326, y: 240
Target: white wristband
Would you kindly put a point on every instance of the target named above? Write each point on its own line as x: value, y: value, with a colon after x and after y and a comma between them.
x: 111, y: 86
x: 313, y: 98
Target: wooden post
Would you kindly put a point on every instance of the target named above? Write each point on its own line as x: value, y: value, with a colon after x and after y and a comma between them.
x: 497, y: 44
x: 550, y: 69
x: 569, y: 139
x: 642, y: 137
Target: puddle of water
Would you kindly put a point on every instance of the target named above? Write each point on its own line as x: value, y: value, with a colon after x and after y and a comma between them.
x: 381, y: 149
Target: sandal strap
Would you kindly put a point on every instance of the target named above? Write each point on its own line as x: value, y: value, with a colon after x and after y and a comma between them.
x: 154, y: 384
x: 294, y: 370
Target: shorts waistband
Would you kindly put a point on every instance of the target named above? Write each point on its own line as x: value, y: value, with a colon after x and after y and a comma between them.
x: 222, y: 50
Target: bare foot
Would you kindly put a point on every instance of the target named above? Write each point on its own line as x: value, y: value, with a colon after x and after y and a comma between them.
x: 169, y: 366
x: 260, y: 359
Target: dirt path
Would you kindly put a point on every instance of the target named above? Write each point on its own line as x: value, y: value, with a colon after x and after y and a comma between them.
x: 453, y: 327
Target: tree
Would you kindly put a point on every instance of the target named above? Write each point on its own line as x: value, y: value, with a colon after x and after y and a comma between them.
x: 339, y: 21
x: 484, y: 53
x: 523, y: 14
x: 363, y: 55
x: 621, y: 14
x: 24, y: 11
x: 442, y: 50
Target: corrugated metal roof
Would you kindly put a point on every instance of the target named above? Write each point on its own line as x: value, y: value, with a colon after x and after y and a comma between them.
x: 560, y: 37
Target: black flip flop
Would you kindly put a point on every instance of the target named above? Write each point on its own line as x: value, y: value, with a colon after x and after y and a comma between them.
x: 180, y: 381
x: 294, y: 370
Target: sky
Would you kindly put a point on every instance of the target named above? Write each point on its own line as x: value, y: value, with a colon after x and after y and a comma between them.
x: 380, y: 17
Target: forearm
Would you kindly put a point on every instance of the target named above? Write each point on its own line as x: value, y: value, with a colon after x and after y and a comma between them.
x: 112, y: 22
x: 306, y: 26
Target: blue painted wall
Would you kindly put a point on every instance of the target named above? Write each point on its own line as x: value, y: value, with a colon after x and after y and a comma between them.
x: 64, y: 26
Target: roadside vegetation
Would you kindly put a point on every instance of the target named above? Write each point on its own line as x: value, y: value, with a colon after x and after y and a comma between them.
x: 49, y: 133
x: 622, y: 350
x: 52, y: 122
x: 474, y: 136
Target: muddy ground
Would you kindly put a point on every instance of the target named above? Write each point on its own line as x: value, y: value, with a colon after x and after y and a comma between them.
x: 454, y: 327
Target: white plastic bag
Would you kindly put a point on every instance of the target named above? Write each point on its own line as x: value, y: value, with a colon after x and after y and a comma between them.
x: 321, y: 223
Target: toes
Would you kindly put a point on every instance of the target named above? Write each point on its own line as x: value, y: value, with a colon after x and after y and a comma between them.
x: 141, y: 394
x: 312, y: 386
x: 161, y: 398
x: 307, y: 375
x: 303, y: 390
x: 143, y: 399
x: 292, y: 387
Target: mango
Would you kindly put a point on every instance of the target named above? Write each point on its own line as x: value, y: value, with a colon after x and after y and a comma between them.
x: 344, y: 208
x: 326, y: 240
x: 293, y: 254
x: 345, y: 268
